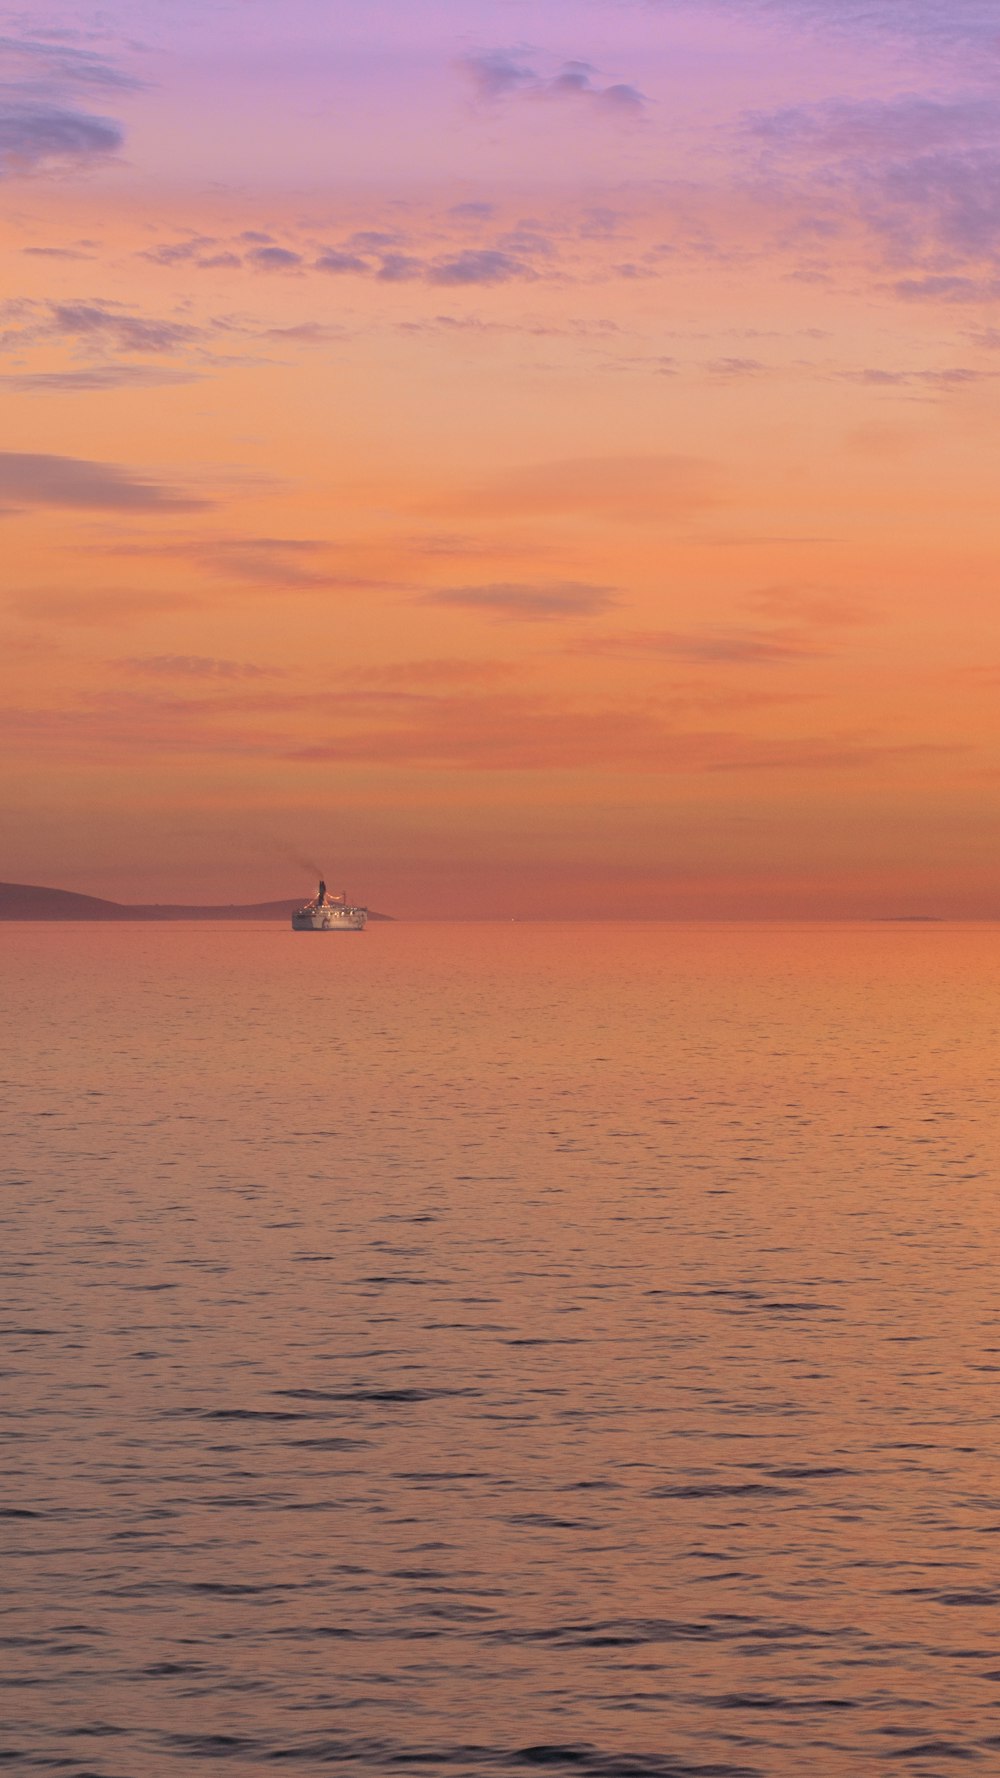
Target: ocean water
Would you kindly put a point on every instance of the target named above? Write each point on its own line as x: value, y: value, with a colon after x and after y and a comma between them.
x: 495, y: 1349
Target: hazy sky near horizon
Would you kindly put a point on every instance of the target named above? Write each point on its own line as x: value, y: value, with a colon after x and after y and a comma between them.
x: 525, y: 456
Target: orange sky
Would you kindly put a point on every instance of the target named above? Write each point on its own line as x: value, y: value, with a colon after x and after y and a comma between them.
x: 545, y: 470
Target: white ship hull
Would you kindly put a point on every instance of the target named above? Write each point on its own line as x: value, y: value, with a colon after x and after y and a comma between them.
x: 329, y: 913
x: 329, y: 919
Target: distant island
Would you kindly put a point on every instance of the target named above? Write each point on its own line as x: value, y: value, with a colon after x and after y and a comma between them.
x: 29, y: 901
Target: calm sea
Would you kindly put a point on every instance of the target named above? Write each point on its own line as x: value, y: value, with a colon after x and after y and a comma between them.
x: 494, y: 1349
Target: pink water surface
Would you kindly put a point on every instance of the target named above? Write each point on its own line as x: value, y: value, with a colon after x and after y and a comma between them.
x: 495, y: 1348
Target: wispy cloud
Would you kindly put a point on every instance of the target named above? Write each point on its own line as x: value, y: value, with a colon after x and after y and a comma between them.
x: 470, y: 265
x: 908, y: 124
x: 99, y: 334
x: 33, y: 479
x: 712, y: 647
x: 275, y: 259
x: 942, y: 380
x: 101, y: 340
x: 97, y: 608
x: 194, y: 666
x: 72, y: 253
x: 96, y: 378
x: 473, y: 727
x: 921, y: 175
x: 483, y: 265
x: 638, y: 488
x: 34, y: 135
x: 496, y: 73
x: 825, y: 607
x: 96, y: 326
x: 47, y: 61
x: 789, y: 624
x: 43, y: 125
x: 189, y: 249
x: 969, y: 24
x: 112, y: 324
x: 511, y: 731
x: 368, y: 253
x: 290, y: 564
x: 499, y: 74
x: 731, y: 368
x: 449, y: 670
x: 508, y: 600
x: 339, y: 262
x: 948, y: 288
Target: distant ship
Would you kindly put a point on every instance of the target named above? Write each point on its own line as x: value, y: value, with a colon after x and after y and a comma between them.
x: 329, y: 913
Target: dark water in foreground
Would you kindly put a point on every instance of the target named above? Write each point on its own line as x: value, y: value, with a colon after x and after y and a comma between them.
x: 500, y: 1349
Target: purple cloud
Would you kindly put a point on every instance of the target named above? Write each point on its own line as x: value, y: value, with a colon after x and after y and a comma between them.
x: 468, y: 266
x: 194, y: 666
x: 478, y: 266
x: 42, y: 126
x: 498, y: 74
x: 969, y: 23
x: 55, y: 253
x: 731, y: 367
x: 399, y: 268
x: 180, y: 252
x: 908, y: 125
x: 97, y: 377
x: 948, y: 289
x: 37, y: 135
x: 922, y: 174
x: 575, y: 81
x: 710, y: 647
x: 29, y: 478
x: 275, y: 259
x: 336, y: 261
x: 553, y: 601
x: 40, y: 61
x: 124, y: 332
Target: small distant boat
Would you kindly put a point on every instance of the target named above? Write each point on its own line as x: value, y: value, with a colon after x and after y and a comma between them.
x: 329, y: 913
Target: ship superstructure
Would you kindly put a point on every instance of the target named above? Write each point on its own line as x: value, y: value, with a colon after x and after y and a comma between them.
x: 329, y: 913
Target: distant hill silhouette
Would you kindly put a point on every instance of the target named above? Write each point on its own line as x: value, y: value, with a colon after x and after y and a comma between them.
x: 29, y: 901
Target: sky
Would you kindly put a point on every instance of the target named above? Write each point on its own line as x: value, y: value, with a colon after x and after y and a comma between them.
x: 529, y: 458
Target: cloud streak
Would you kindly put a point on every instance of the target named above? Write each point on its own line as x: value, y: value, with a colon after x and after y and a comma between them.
x: 469, y: 266
x: 45, y: 62
x: 277, y: 564
x: 194, y: 666
x: 43, y: 126
x: 96, y: 378
x: 639, y: 489
x: 115, y: 327
x: 514, y: 732
x: 100, y: 607
x: 513, y: 602
x: 500, y: 74
x: 30, y: 479
x: 36, y: 135
x: 709, y: 647
x: 370, y: 253
x: 921, y: 174
x: 970, y: 24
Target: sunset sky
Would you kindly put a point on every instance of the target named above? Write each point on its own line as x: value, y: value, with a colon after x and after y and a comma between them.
x: 524, y: 458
